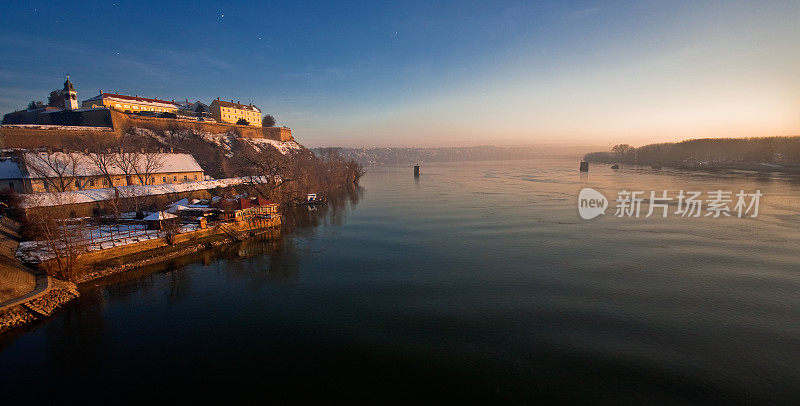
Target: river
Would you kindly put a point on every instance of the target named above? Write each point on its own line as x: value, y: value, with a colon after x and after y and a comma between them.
x: 475, y: 282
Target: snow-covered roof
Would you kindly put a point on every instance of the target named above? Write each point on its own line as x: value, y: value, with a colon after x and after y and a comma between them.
x: 175, y: 209
x: 98, y: 195
x: 182, y: 202
x: 159, y: 215
x: 9, y: 169
x: 43, y: 164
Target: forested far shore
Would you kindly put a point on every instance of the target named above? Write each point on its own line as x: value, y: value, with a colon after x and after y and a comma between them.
x: 706, y: 152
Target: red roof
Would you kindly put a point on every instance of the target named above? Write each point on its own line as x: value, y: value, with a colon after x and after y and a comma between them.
x: 242, y: 203
x: 139, y: 99
x: 260, y: 201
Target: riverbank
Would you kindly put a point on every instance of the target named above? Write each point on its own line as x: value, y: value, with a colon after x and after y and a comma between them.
x: 50, y: 293
x: 26, y: 295
x: 165, y: 253
x: 39, y: 306
x: 759, y: 167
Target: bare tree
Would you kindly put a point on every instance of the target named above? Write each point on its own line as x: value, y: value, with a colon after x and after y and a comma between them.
x: 58, y: 171
x: 265, y: 174
x: 150, y: 163
x: 105, y: 163
x: 137, y: 159
x: 59, y: 238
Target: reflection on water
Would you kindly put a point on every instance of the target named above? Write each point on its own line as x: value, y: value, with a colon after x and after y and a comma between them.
x: 267, y: 258
x: 475, y: 282
x: 303, y: 220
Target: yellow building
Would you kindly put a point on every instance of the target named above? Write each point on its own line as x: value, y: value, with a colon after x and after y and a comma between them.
x: 131, y: 104
x: 230, y: 112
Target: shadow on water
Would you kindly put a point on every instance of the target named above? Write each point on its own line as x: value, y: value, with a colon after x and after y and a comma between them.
x: 270, y: 257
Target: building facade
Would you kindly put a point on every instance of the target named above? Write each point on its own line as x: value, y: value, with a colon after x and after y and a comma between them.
x: 39, y: 172
x: 230, y: 112
x: 132, y: 104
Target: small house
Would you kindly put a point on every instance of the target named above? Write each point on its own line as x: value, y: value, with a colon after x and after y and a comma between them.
x: 160, y: 220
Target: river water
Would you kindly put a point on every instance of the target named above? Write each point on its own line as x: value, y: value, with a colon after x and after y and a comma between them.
x: 476, y: 282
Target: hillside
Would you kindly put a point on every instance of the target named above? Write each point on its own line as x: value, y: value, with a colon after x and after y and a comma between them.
x: 216, y: 152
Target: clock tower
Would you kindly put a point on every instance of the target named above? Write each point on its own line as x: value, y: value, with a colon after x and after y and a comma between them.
x: 70, y: 96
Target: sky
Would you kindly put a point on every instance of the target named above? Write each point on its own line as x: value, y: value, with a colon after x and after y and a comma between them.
x: 423, y: 73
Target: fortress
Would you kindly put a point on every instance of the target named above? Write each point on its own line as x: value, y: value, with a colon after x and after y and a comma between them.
x: 48, y: 126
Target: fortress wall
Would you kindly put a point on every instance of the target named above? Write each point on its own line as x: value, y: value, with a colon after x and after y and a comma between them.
x: 22, y: 137
x: 278, y: 133
x: 67, y: 132
x: 122, y: 122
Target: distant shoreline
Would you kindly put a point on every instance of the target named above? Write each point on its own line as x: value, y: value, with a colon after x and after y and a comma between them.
x: 717, y: 167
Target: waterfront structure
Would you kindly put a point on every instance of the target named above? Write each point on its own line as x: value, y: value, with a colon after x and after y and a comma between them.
x: 38, y: 172
x: 241, y: 209
x: 131, y: 104
x: 230, y: 112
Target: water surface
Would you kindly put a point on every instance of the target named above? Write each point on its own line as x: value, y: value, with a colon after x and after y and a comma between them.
x: 476, y: 282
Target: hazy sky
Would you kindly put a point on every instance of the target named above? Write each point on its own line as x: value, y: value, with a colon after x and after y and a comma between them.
x: 430, y: 73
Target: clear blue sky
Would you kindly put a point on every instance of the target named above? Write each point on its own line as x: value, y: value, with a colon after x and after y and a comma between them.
x: 430, y: 73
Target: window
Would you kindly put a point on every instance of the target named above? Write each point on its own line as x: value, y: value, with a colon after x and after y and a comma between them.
x: 77, y: 184
x: 11, y: 185
x: 91, y: 182
x: 126, y: 106
x: 152, y: 179
x: 175, y: 178
x: 185, y: 178
x: 163, y: 179
x: 119, y: 105
x: 105, y: 182
x: 195, y: 176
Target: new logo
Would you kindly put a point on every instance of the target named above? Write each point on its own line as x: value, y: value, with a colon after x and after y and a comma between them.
x: 591, y: 203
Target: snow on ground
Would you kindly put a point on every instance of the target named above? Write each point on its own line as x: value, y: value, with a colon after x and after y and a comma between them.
x: 284, y: 147
x: 97, y: 195
x: 224, y: 141
x: 94, y: 238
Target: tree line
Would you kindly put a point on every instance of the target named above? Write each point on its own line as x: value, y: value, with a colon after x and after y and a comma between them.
x: 739, y: 150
